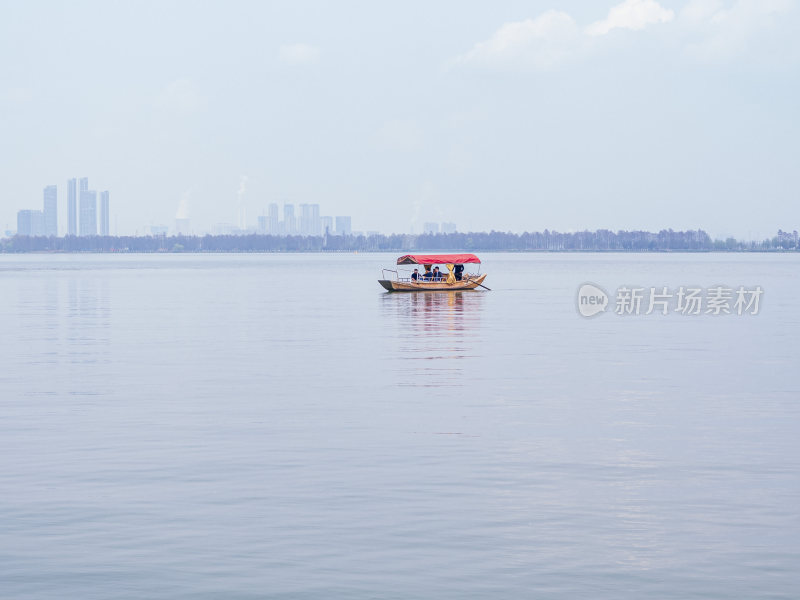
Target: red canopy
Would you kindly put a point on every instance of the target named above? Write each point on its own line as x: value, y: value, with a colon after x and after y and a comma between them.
x: 429, y: 259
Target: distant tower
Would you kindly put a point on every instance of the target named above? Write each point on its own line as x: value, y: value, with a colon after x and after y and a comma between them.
x: 24, y: 222
x: 51, y: 211
x: 288, y: 219
x: 30, y: 222
x: 343, y: 226
x: 104, y: 221
x: 305, y: 219
x: 88, y: 207
x: 315, y: 225
x: 72, y: 207
x: 242, y: 224
x: 272, y: 219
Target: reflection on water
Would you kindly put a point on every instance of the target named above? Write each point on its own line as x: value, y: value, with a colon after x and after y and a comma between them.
x: 65, y: 325
x: 436, y: 330
x: 88, y: 322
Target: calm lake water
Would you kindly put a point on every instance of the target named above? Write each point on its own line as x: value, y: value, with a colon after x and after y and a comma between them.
x: 277, y: 426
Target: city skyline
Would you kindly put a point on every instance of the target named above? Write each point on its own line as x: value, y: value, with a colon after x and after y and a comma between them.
x: 309, y: 222
x: 95, y: 220
x: 45, y: 222
x: 576, y: 115
x: 87, y: 213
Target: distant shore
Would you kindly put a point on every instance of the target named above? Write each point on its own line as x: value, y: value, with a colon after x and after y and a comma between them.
x: 546, y: 241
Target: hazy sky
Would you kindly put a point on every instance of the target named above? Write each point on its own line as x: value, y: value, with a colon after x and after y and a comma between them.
x: 495, y: 115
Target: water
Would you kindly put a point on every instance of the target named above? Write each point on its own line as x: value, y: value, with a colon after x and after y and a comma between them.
x: 276, y: 426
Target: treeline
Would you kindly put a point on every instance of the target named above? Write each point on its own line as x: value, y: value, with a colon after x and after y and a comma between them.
x: 602, y: 240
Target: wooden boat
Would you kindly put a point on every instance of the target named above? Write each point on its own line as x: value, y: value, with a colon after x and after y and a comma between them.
x: 449, y: 281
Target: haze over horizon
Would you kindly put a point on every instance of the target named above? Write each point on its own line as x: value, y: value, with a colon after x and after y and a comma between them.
x: 621, y: 114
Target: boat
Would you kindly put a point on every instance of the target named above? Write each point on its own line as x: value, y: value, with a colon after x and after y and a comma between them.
x: 454, y: 280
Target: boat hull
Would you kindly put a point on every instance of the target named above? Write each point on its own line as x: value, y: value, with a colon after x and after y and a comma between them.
x: 407, y: 286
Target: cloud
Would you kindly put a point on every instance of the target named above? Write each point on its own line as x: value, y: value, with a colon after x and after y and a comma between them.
x: 554, y: 37
x: 541, y: 43
x: 708, y: 30
x: 631, y: 14
x: 716, y: 31
x: 299, y: 54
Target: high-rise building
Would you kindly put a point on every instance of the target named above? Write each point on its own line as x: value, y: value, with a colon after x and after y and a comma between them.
x: 88, y: 208
x: 305, y: 219
x: 84, y: 184
x: 30, y: 222
x: 51, y: 211
x: 289, y: 224
x: 72, y: 207
x: 343, y: 226
x: 448, y: 227
x: 262, y: 224
x: 104, y: 228
x: 272, y: 220
x: 315, y: 225
x: 327, y: 225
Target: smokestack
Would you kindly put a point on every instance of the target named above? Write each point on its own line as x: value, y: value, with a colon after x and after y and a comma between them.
x: 242, y: 207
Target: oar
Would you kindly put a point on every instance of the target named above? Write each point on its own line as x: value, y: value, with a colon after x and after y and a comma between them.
x: 483, y: 286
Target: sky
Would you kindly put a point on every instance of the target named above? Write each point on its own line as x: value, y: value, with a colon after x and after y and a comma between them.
x: 508, y: 116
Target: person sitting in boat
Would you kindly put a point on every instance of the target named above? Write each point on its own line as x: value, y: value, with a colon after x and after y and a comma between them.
x: 458, y: 270
x: 415, y: 275
x: 428, y: 275
x: 437, y: 275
